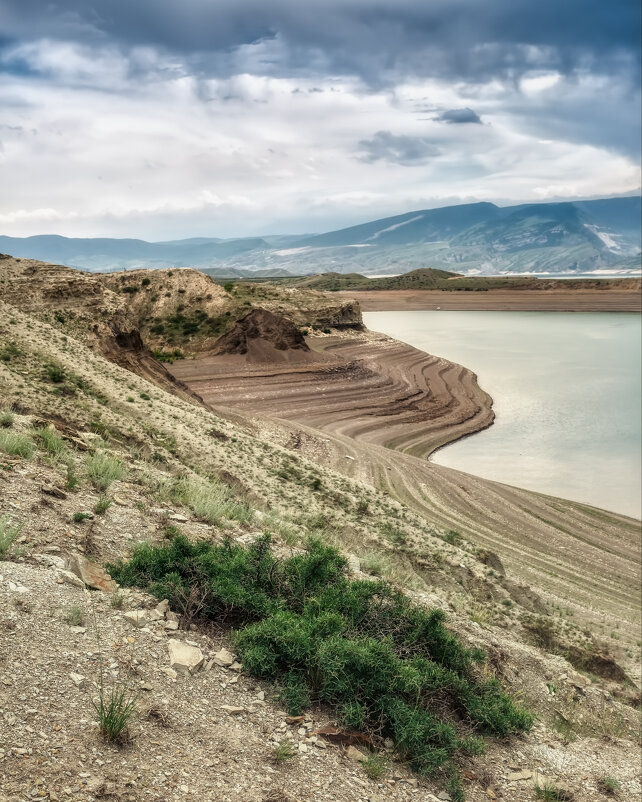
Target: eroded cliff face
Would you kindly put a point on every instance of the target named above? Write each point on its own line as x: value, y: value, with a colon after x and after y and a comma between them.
x: 135, y: 316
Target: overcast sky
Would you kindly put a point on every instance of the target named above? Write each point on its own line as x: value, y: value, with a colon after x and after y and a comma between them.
x: 174, y: 118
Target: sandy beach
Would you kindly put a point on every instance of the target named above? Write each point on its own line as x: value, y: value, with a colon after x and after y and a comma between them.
x: 499, y: 300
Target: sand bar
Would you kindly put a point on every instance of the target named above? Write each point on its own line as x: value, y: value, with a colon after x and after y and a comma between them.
x: 498, y: 300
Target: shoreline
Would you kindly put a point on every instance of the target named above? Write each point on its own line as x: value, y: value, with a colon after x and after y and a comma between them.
x: 497, y: 300
x: 366, y: 416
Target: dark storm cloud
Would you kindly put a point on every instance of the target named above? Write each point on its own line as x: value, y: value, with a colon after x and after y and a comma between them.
x: 376, y: 39
x: 459, y: 116
x: 406, y: 150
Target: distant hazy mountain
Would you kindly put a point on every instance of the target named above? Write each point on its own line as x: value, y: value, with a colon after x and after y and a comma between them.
x: 477, y: 238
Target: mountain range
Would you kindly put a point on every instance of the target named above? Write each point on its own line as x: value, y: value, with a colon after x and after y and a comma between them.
x: 471, y: 239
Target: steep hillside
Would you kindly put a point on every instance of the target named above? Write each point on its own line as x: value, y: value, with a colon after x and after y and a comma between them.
x: 96, y: 460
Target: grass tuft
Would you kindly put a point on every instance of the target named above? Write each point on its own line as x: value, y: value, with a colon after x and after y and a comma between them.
x: 9, y: 532
x: 103, y: 469
x: 102, y: 505
x: 283, y: 751
x: 16, y: 444
x: 6, y: 419
x: 114, y: 711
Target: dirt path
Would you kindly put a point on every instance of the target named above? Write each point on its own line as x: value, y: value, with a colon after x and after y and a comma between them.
x: 381, y: 408
x: 498, y: 300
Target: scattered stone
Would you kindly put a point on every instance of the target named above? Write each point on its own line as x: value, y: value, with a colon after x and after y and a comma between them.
x: 232, y: 710
x: 171, y: 625
x: 92, y: 574
x: 224, y: 658
x: 183, y: 657
x: 70, y: 579
x: 178, y: 517
x: 353, y: 564
x: 169, y: 672
x: 238, y: 667
x: 136, y: 617
x: 78, y: 630
x: 77, y: 679
x: 353, y: 753
x: 52, y: 490
x: 163, y: 606
x: 122, y: 502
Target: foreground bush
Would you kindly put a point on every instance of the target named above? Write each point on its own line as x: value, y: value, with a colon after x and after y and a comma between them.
x: 387, y: 666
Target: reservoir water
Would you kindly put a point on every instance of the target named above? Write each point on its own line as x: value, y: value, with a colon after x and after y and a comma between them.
x: 566, y: 392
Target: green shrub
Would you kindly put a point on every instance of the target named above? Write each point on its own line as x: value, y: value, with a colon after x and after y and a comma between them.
x: 79, y: 517
x: 75, y: 616
x: 9, y: 351
x: 9, y: 532
x: 16, y: 444
x: 103, y: 469
x: 55, y: 373
x: 362, y: 647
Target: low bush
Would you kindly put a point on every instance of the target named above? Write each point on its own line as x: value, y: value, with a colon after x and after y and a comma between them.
x: 387, y: 666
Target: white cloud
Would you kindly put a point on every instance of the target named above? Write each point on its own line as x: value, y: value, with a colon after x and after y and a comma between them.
x: 102, y: 142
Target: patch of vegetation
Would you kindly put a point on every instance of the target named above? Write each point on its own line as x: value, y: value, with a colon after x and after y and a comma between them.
x: 9, y: 351
x: 9, y: 532
x: 51, y: 442
x: 55, y: 373
x: 16, y: 444
x: 79, y: 517
x: 382, y: 663
x: 6, y: 419
x: 168, y: 356
x: 75, y: 616
x: 214, y: 502
x: 375, y: 766
x: 114, y: 711
x: 103, y: 469
x: 102, y: 505
x: 609, y: 786
x: 549, y: 792
x: 283, y: 751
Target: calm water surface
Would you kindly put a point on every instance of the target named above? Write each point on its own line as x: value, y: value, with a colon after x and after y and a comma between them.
x: 566, y: 391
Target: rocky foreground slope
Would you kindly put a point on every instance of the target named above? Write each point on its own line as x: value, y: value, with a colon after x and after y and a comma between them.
x: 96, y: 458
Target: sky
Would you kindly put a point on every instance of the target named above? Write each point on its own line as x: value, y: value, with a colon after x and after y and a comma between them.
x: 164, y: 119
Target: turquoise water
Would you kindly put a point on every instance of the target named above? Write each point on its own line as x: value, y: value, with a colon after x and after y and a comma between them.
x: 566, y: 391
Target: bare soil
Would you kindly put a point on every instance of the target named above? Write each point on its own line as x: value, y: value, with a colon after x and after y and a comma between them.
x: 499, y: 300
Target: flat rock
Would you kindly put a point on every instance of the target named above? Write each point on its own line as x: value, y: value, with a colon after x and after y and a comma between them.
x: 183, y: 657
x: 232, y: 710
x: 224, y: 658
x: 136, y: 617
x: 355, y: 754
x: 91, y: 574
x: 70, y: 579
x: 178, y: 517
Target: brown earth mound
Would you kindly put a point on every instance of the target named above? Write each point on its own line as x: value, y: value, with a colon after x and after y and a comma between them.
x: 262, y: 336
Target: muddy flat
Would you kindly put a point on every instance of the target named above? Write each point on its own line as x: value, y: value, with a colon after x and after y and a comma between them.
x: 499, y: 300
x: 374, y: 409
